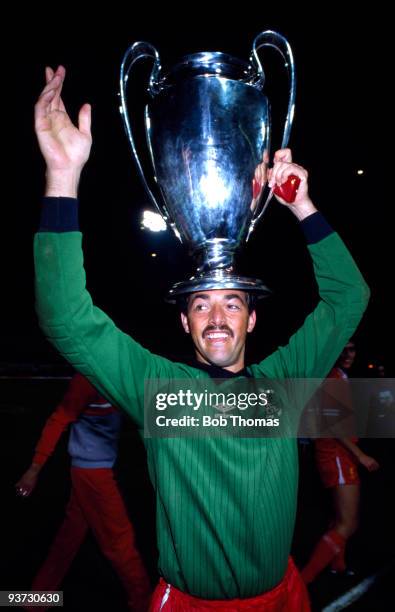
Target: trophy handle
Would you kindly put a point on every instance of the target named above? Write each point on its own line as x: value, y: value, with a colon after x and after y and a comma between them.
x: 280, y: 43
x: 136, y: 52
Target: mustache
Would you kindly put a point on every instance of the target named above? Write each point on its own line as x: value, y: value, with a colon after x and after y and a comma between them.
x: 217, y: 328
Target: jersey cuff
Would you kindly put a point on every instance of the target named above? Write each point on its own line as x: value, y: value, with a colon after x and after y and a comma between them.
x: 59, y: 215
x: 315, y: 228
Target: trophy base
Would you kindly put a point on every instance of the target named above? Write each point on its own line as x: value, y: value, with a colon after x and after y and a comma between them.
x: 218, y: 279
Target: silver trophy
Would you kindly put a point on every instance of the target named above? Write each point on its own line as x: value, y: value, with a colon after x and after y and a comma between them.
x: 207, y: 126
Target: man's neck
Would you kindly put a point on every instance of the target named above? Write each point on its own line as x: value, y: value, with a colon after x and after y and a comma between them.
x: 234, y: 368
x: 216, y: 371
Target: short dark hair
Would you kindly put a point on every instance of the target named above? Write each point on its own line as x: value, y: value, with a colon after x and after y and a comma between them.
x: 251, y: 301
x: 182, y: 303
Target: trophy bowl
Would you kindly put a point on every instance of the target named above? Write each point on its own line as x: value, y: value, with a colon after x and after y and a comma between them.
x: 207, y: 125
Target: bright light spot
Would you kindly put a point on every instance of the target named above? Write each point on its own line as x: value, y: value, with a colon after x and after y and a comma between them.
x: 370, y: 366
x: 360, y: 172
x: 153, y: 254
x: 177, y: 233
x: 153, y: 221
x: 263, y: 131
x: 213, y: 187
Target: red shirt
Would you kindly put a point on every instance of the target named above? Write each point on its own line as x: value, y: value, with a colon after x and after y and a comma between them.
x: 76, y: 400
x: 338, y: 402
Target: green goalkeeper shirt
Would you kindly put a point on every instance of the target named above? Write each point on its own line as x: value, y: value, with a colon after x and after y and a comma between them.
x: 225, y: 506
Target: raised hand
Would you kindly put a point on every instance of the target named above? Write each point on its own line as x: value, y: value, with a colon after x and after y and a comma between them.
x: 64, y: 146
x: 282, y: 169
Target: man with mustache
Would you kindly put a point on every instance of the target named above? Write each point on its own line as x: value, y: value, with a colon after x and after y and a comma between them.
x: 225, y: 506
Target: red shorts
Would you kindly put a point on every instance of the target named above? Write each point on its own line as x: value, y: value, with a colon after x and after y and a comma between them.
x: 341, y: 469
x: 289, y: 595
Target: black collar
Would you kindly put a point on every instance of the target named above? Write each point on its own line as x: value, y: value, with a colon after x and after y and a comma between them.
x: 216, y: 371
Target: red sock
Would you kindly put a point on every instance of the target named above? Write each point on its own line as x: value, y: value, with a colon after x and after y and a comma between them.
x: 328, y: 547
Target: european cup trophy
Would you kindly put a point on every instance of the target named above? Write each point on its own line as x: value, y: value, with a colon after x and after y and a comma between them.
x: 207, y: 125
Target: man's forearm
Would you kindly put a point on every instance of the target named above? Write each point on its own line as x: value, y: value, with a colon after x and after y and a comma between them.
x: 52, y: 431
x: 351, y: 446
x: 36, y: 468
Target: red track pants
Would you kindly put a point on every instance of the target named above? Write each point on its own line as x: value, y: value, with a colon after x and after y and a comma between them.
x: 96, y: 504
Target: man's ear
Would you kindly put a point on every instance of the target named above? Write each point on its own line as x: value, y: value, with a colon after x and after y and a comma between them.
x: 184, y: 321
x: 251, y: 321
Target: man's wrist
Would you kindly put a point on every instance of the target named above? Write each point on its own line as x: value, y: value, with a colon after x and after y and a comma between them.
x: 302, y: 211
x: 315, y: 227
x: 62, y: 183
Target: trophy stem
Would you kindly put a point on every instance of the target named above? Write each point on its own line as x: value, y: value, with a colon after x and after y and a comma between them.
x: 214, y: 254
x: 215, y: 258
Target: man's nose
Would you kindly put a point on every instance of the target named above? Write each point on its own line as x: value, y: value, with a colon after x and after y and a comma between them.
x: 217, y: 315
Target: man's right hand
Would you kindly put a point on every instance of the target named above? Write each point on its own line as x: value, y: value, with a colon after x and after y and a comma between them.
x: 27, y: 483
x: 64, y: 146
x: 368, y: 462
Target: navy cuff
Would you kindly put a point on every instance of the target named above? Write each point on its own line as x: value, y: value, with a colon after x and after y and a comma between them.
x: 59, y: 215
x: 315, y: 228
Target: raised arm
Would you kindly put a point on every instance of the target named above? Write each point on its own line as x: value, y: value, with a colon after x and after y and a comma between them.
x: 113, y: 362
x: 314, y: 348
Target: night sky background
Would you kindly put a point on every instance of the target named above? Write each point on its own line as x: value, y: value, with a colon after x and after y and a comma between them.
x: 342, y: 124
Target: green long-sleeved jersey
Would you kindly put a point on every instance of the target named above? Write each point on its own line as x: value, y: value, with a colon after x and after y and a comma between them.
x: 225, y: 506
